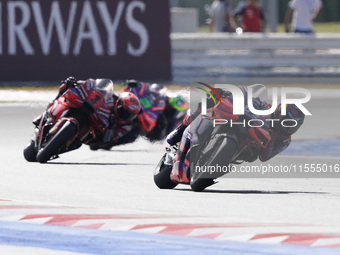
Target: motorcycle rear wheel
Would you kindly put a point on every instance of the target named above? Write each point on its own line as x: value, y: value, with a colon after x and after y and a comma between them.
x: 30, y: 152
x: 162, y: 175
x: 60, y: 139
x: 225, y: 152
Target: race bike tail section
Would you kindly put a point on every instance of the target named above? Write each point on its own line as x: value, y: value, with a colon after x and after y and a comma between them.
x: 77, y: 116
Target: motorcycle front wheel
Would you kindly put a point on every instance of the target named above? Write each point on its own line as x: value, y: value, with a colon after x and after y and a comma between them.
x: 162, y: 175
x: 52, y: 147
x: 30, y: 152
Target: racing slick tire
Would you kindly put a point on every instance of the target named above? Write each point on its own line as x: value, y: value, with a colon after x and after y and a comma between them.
x: 30, y: 152
x: 162, y: 175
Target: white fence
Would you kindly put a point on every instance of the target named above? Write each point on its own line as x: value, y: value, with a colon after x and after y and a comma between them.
x: 184, y: 20
x: 256, y: 58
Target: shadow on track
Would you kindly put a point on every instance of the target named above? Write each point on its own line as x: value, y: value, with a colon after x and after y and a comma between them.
x: 99, y: 164
x: 261, y: 192
x: 140, y: 150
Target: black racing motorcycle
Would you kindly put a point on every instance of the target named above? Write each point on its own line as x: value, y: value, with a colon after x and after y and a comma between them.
x: 213, y: 145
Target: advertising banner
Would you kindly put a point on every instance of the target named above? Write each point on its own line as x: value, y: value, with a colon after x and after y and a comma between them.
x: 50, y: 40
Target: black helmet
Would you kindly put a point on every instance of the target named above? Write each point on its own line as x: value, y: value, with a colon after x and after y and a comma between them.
x: 292, y: 121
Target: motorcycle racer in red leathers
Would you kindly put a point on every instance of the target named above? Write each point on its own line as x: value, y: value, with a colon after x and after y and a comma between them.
x: 126, y: 108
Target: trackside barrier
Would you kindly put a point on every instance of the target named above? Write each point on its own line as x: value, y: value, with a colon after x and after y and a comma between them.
x: 256, y: 58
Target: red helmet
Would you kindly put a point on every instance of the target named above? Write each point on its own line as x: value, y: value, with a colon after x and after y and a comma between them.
x: 128, y: 107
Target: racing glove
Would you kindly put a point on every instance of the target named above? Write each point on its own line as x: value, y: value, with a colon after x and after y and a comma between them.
x: 70, y: 82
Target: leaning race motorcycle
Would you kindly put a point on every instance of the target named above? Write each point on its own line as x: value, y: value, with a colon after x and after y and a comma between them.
x: 160, y: 113
x: 215, y: 145
x: 77, y: 116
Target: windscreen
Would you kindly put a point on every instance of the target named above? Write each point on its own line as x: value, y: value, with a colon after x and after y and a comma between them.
x: 105, y: 87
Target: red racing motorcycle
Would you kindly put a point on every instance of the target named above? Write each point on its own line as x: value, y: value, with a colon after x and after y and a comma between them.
x: 78, y: 115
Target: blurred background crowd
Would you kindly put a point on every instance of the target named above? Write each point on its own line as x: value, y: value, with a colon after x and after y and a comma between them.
x: 274, y: 12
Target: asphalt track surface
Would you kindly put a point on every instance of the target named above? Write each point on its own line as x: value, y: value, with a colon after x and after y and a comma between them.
x: 105, y: 202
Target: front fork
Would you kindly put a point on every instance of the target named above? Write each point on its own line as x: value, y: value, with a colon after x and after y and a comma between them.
x: 170, y: 155
x: 41, y: 129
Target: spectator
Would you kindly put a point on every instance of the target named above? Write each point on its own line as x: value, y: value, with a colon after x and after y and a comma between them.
x: 303, y: 13
x: 220, y: 16
x: 253, y: 19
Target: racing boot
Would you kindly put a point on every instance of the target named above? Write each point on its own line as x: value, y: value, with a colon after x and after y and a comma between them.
x: 175, y: 136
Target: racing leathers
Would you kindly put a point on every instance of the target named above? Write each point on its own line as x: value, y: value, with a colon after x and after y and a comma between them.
x: 119, y: 132
x: 153, y: 104
x: 180, y: 171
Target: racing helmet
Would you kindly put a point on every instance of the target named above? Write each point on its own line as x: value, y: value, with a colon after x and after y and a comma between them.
x: 156, y: 92
x: 128, y: 107
x: 293, y: 113
x: 178, y: 103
